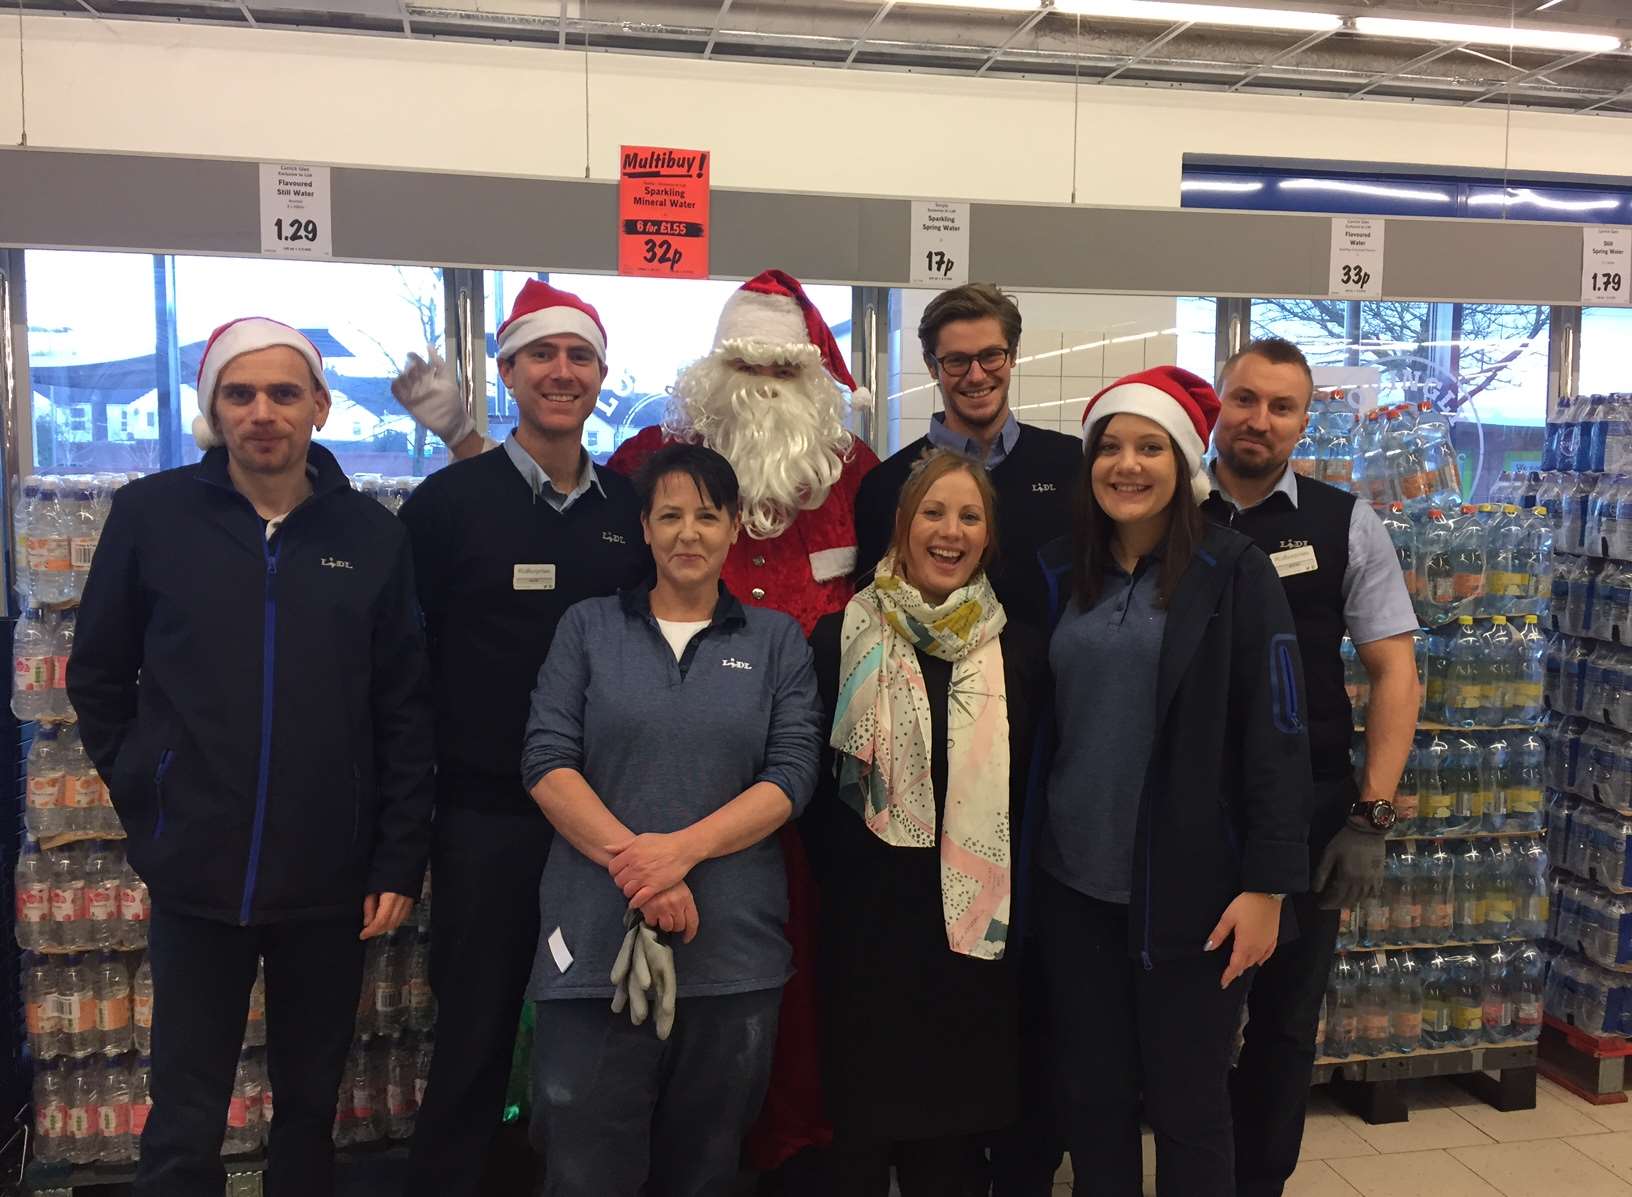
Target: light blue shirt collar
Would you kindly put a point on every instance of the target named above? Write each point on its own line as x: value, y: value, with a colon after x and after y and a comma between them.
x: 540, y: 483
x: 1286, y: 485
x: 1003, y: 444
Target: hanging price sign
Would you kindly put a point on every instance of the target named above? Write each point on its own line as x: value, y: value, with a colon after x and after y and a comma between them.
x: 939, y: 244
x: 663, y: 212
x: 295, y: 210
x: 1357, y: 258
x: 1606, y: 260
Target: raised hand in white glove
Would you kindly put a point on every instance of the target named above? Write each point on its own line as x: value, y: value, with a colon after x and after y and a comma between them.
x: 428, y: 392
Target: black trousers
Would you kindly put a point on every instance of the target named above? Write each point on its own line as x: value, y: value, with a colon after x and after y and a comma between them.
x: 1026, y: 1157
x: 1122, y: 1030
x: 618, y: 1112
x: 485, y: 870
x: 202, y: 974
x: 1269, y: 1089
x: 954, y: 1166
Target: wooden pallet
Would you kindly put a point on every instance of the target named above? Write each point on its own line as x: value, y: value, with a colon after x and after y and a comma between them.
x: 1372, y: 1086
x: 1593, y: 1067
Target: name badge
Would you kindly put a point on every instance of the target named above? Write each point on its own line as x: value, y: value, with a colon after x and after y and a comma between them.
x: 1289, y: 562
x: 533, y: 577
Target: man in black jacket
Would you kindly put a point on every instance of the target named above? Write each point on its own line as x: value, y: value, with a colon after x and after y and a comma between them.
x: 251, y: 680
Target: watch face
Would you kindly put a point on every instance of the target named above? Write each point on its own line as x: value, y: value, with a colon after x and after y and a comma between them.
x: 1382, y: 815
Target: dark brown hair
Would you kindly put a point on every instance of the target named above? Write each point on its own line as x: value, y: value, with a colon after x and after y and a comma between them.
x: 929, y: 469
x: 972, y: 301
x: 1091, y: 531
x: 1277, y: 351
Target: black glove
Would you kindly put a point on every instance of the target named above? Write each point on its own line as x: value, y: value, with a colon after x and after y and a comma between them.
x: 1350, y: 869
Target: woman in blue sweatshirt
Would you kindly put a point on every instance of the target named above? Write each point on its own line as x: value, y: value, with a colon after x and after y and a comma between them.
x: 672, y: 732
x: 1175, y: 819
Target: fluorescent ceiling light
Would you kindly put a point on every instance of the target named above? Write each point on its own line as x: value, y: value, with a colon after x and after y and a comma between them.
x: 1346, y: 188
x: 1202, y: 14
x: 1488, y: 35
x: 1220, y: 185
x: 987, y: 5
x: 1523, y: 195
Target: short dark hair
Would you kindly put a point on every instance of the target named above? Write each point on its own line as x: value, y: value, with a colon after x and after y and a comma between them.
x: 1277, y: 351
x: 972, y: 301
x: 1091, y: 531
x: 716, y: 480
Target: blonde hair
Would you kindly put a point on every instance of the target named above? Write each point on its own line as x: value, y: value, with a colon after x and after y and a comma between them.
x: 929, y: 469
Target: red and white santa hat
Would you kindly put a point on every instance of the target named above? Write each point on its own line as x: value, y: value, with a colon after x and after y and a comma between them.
x: 772, y: 312
x: 1185, y: 405
x: 545, y: 311
x: 234, y: 339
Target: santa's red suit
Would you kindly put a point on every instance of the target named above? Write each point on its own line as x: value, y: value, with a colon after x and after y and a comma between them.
x: 807, y: 570
x: 804, y: 570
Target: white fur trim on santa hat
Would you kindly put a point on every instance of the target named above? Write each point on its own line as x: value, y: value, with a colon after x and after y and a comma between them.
x: 235, y: 340
x: 1142, y: 399
x: 755, y: 316
x: 549, y: 322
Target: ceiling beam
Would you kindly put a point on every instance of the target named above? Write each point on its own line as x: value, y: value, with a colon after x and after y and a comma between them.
x: 714, y: 33
x: 883, y: 11
x: 1146, y: 50
x: 1026, y: 26
x: 1420, y: 60
x: 1314, y: 39
x: 1605, y: 102
x: 1568, y: 60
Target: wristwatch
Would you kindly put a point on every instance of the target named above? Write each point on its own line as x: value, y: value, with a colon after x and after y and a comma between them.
x: 1378, y: 815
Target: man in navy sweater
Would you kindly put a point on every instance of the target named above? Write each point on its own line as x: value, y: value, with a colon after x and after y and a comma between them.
x: 250, y: 679
x: 504, y: 542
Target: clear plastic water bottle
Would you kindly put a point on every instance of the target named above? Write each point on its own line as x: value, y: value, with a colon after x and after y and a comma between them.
x: 141, y: 1097
x: 1471, y: 785
x: 1356, y: 681
x: 77, y: 996
x: 101, y: 897
x: 135, y: 909
x: 1375, y: 999
x: 62, y: 647
x: 1337, y: 455
x: 364, y: 1112
x: 84, y: 1113
x: 1405, y: 1004
x: 142, y: 1007
x: 1511, y: 563
x: 49, y: 560
x: 1498, y: 774
x: 1466, y: 991
x: 1526, y: 771
x: 1306, y: 453
x: 50, y: 1113
x: 1436, y: 1000
x: 1373, y: 917
x: 68, y: 916
x: 1524, y: 705
x: 33, y: 657
x: 1496, y: 1006
x: 1532, y: 891
x: 255, y: 1024
x: 1438, y: 879
x: 32, y: 886
x: 389, y: 1014
x: 114, y: 1110
x: 1402, y: 534
x: 1408, y: 794
x: 1402, y: 888
x: 422, y: 1067
x: 41, y: 1007
x: 1436, y: 568
x: 1368, y: 460
x: 1403, y: 461
x: 1466, y: 677
x: 85, y: 530
x: 1343, y: 1024
x: 47, y: 812
x: 1468, y: 915
x: 113, y: 1005
x: 1433, y: 430
x: 399, y: 1092
x: 1500, y: 869
x: 1502, y: 663
x: 1468, y: 560
x: 1526, y: 980
x: 421, y: 1000
x: 1436, y: 773
x: 243, y: 1134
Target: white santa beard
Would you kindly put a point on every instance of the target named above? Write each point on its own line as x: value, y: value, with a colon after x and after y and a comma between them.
x: 785, y: 438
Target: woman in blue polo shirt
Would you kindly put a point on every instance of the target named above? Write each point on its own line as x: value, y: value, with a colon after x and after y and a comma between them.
x: 672, y: 732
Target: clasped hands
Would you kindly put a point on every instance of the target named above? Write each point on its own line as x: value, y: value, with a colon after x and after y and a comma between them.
x: 651, y: 870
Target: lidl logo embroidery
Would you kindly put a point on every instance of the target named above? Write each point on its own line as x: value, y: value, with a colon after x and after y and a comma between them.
x: 613, y: 538
x: 1041, y: 488
x: 336, y: 563
x: 733, y: 663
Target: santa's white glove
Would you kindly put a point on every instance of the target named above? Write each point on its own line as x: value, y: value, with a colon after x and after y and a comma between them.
x: 429, y: 393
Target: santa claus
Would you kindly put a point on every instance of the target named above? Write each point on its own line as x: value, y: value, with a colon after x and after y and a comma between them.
x: 768, y: 398
x: 771, y: 396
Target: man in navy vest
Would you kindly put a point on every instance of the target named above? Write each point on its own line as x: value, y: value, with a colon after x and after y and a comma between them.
x: 1341, y: 576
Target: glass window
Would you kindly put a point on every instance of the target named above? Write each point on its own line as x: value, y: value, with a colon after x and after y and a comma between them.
x: 1071, y: 347
x: 654, y: 328
x: 1606, y: 351
x: 1485, y: 363
x: 115, y: 341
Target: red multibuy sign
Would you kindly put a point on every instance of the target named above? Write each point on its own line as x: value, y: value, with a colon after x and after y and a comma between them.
x: 663, y: 212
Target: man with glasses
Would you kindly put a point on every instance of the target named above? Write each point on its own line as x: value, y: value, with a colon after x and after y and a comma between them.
x: 970, y: 336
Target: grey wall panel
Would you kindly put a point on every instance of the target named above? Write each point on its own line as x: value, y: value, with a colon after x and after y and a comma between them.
x: 1163, y: 252
x: 1483, y: 261
x: 192, y: 205
x: 473, y: 220
x: 119, y: 201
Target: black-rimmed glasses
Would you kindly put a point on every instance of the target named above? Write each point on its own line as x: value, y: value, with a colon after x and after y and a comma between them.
x: 956, y: 365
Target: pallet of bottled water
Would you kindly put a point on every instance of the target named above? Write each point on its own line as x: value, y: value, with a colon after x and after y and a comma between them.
x: 1400, y: 1002
x: 1589, y: 678
x: 1440, y: 892
x: 1592, y: 598
x: 1587, y: 995
x: 1591, y: 761
x: 1591, y: 841
x: 1593, y: 921
x: 1459, y: 782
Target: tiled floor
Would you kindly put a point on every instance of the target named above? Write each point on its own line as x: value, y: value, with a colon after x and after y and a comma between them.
x: 1457, y: 1146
